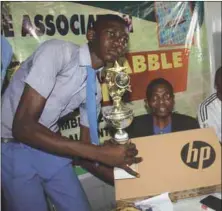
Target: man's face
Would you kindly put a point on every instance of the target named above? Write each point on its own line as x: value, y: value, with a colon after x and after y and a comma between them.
x: 111, y: 41
x: 162, y: 101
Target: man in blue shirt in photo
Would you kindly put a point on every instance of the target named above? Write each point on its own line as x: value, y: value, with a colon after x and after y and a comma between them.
x: 161, y: 119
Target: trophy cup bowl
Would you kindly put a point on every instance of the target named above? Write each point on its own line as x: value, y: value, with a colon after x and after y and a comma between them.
x: 119, y: 119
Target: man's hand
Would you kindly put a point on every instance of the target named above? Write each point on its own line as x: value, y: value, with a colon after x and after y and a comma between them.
x: 121, y: 156
x: 110, y: 141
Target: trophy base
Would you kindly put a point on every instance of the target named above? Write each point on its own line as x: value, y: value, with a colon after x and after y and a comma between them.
x: 122, y: 174
x: 121, y: 136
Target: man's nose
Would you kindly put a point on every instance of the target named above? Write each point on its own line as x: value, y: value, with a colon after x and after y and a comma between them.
x: 118, y: 46
x: 161, y: 101
x: 117, y: 42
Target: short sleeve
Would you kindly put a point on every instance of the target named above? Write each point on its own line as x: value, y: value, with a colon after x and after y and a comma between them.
x: 47, y: 61
x: 83, y: 114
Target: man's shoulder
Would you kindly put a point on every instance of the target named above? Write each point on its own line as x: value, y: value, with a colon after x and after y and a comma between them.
x: 210, y: 97
x: 183, y: 118
x: 184, y: 122
x: 141, y: 126
x: 64, y: 52
x: 142, y: 118
x: 210, y: 105
x: 208, y: 101
x: 59, y: 44
x: 140, y: 121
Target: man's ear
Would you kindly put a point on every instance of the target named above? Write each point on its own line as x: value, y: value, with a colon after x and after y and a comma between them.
x: 90, y: 35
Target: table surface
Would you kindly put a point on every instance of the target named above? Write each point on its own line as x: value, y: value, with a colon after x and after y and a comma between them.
x: 191, y: 204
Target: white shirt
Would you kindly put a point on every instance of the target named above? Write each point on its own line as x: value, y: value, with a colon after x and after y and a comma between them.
x: 209, y: 114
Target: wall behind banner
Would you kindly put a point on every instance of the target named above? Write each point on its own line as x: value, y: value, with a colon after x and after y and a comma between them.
x: 167, y: 39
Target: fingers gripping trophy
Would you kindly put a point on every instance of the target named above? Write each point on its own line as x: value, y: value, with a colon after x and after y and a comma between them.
x: 119, y: 116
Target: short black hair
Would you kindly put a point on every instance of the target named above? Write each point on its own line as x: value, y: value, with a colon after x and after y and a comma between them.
x: 107, y: 17
x: 154, y: 83
x: 218, y: 76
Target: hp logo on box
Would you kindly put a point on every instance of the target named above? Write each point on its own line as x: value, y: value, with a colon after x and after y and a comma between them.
x: 198, y: 155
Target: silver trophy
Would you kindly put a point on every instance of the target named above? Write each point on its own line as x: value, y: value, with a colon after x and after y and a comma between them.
x: 119, y: 116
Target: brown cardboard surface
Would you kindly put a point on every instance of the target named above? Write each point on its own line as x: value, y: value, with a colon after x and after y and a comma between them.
x: 163, y: 170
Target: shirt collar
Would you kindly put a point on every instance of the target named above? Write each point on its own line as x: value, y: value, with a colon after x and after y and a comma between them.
x: 167, y: 129
x: 84, y: 57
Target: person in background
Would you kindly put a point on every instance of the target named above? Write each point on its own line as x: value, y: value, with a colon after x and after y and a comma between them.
x: 162, y: 119
x: 209, y: 111
x: 6, y: 57
x: 56, y: 79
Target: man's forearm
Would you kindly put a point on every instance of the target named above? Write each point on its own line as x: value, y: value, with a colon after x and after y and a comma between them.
x: 40, y: 137
x: 101, y: 171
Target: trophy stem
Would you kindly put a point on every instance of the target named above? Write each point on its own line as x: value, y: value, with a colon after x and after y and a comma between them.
x: 121, y: 136
x: 117, y: 101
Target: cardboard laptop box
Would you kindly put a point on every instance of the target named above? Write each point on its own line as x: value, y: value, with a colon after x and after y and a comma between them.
x: 185, y: 164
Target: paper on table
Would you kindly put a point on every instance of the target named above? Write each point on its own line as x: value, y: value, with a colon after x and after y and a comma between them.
x: 157, y: 203
x: 122, y: 174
